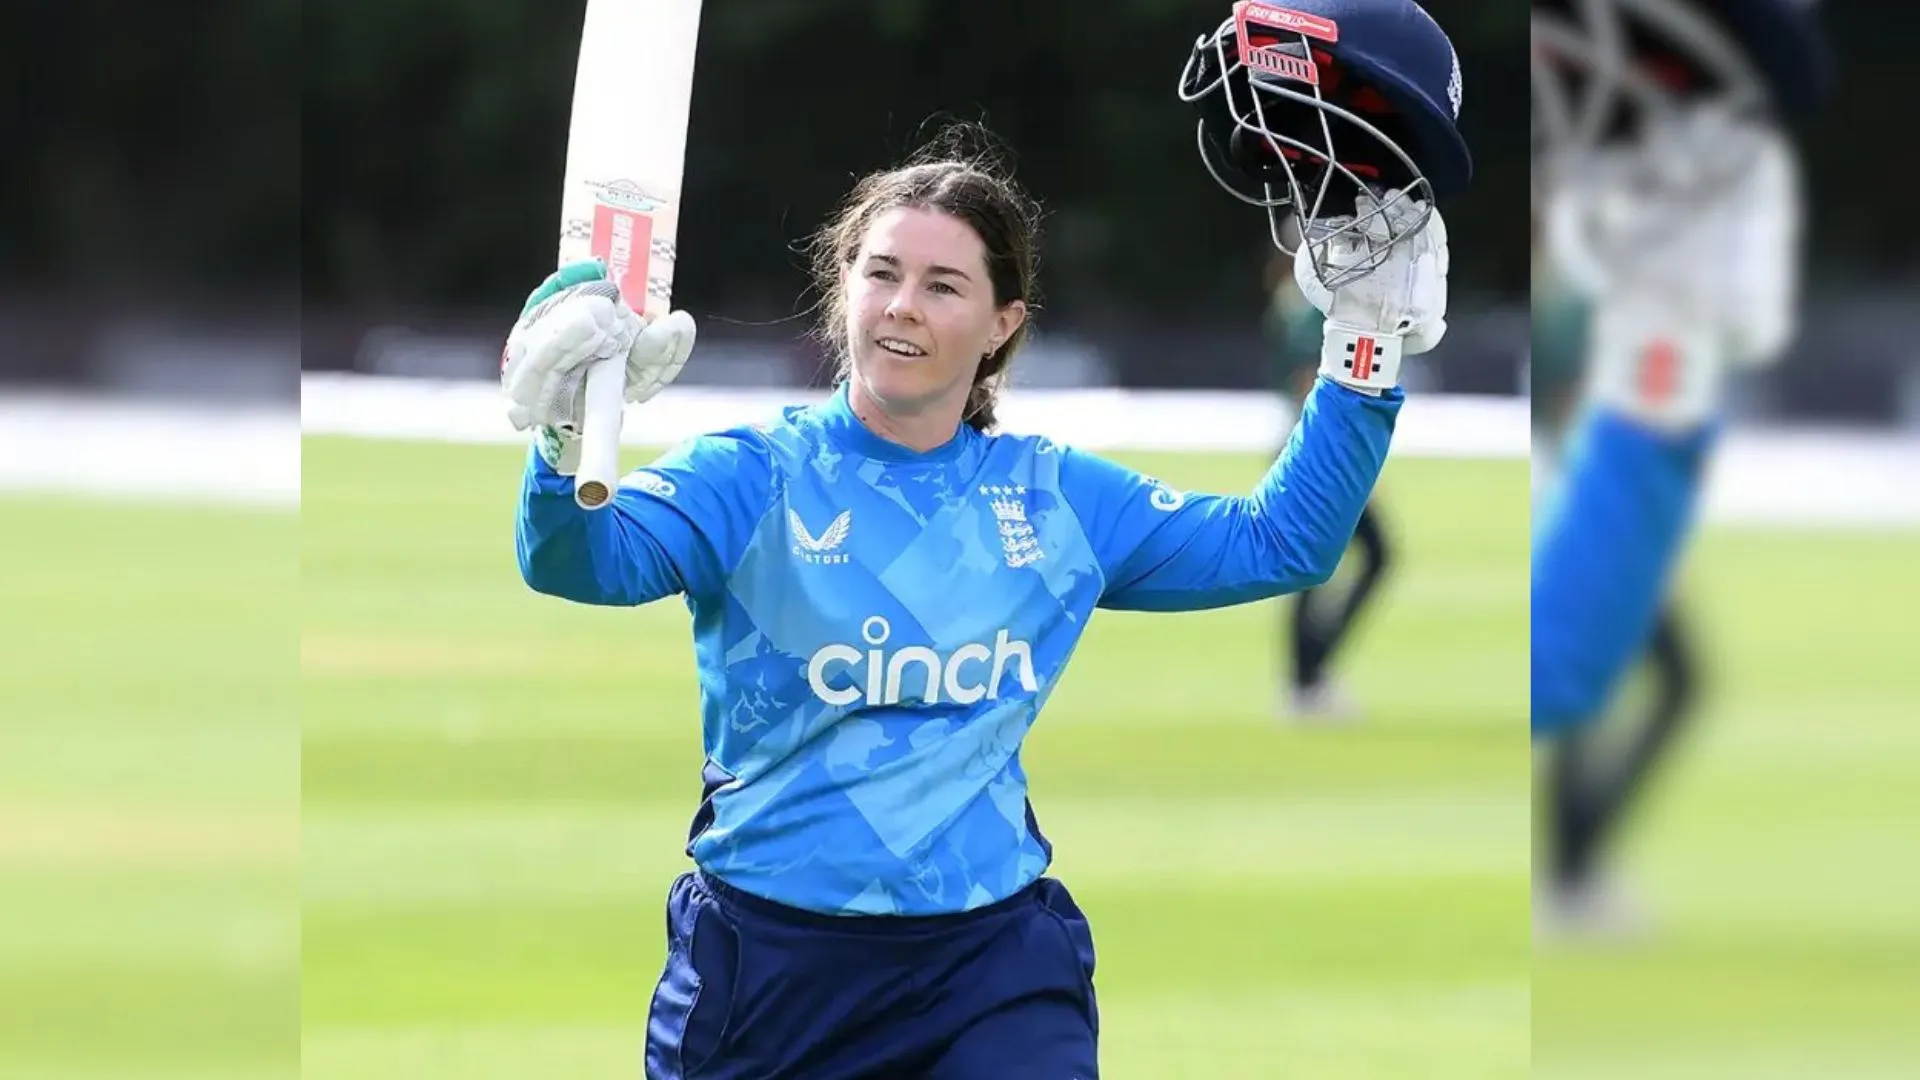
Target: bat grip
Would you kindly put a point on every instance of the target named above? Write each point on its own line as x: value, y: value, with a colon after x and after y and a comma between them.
x: 600, y: 434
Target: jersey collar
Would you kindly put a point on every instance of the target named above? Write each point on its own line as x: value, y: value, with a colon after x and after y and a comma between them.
x: 837, y: 418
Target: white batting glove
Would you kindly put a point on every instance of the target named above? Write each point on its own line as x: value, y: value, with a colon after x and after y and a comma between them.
x: 1396, y: 311
x: 1758, y: 291
x: 551, y: 348
x: 1684, y: 293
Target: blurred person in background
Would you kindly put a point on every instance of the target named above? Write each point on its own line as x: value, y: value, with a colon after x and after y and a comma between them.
x: 870, y: 898
x: 1314, y: 623
x: 1670, y: 225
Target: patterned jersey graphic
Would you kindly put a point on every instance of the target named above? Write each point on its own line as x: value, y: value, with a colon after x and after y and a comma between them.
x: 877, y: 629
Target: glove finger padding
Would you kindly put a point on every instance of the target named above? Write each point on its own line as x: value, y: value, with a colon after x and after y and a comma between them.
x: 658, y: 353
x: 1347, y: 248
x: 1759, y: 296
x: 544, y: 370
x: 1684, y: 291
x: 1397, y: 310
x: 1424, y: 314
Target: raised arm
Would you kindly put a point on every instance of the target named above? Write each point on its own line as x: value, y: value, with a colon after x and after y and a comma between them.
x: 1604, y: 550
x: 1162, y: 550
x: 1672, y: 328
x: 679, y: 525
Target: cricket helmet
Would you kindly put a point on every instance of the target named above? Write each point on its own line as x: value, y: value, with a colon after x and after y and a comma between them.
x: 1661, y: 77
x: 1306, y: 104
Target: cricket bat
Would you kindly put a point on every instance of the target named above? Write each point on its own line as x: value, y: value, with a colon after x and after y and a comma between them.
x: 626, y: 149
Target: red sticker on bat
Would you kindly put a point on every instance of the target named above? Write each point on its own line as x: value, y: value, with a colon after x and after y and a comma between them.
x: 623, y: 239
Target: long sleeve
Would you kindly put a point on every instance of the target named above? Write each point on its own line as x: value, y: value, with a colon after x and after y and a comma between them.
x: 678, y: 525
x: 1604, y: 549
x: 1162, y: 550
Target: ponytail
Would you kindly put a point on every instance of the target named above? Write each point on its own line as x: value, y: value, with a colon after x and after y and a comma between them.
x: 987, y: 382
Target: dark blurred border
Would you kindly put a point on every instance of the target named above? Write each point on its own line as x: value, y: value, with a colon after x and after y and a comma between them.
x: 435, y: 136
x: 149, y: 211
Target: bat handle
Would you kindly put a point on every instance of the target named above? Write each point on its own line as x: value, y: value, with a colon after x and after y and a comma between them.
x: 600, y: 435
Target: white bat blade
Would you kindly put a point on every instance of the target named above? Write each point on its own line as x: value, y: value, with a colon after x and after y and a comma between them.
x: 620, y: 203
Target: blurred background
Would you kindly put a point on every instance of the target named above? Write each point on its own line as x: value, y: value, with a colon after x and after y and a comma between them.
x: 149, y: 482
x: 1740, y: 913
x: 431, y: 182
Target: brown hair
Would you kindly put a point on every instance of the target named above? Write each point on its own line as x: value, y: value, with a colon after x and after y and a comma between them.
x: 953, y: 177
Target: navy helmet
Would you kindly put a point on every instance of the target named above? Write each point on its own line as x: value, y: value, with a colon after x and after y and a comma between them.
x: 1307, y: 104
x: 1606, y: 73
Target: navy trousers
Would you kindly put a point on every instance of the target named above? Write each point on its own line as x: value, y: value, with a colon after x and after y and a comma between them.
x: 755, y: 990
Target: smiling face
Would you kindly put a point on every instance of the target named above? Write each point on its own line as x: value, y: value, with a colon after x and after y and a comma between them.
x: 921, y: 311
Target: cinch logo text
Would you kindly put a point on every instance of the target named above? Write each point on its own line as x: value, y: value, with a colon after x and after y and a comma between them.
x: 972, y: 672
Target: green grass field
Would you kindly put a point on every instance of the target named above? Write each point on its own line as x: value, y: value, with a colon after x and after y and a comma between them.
x: 149, y: 793
x: 498, y: 786
x: 1775, y: 852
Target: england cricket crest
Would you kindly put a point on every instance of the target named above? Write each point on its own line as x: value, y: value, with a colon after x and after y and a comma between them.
x: 620, y: 233
x: 1018, y: 542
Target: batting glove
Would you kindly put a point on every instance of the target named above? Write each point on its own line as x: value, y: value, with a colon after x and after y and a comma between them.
x: 1397, y: 310
x: 575, y: 319
x: 1684, y: 293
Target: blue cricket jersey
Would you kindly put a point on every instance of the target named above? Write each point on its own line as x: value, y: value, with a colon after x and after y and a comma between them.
x: 1604, y: 548
x: 876, y: 628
